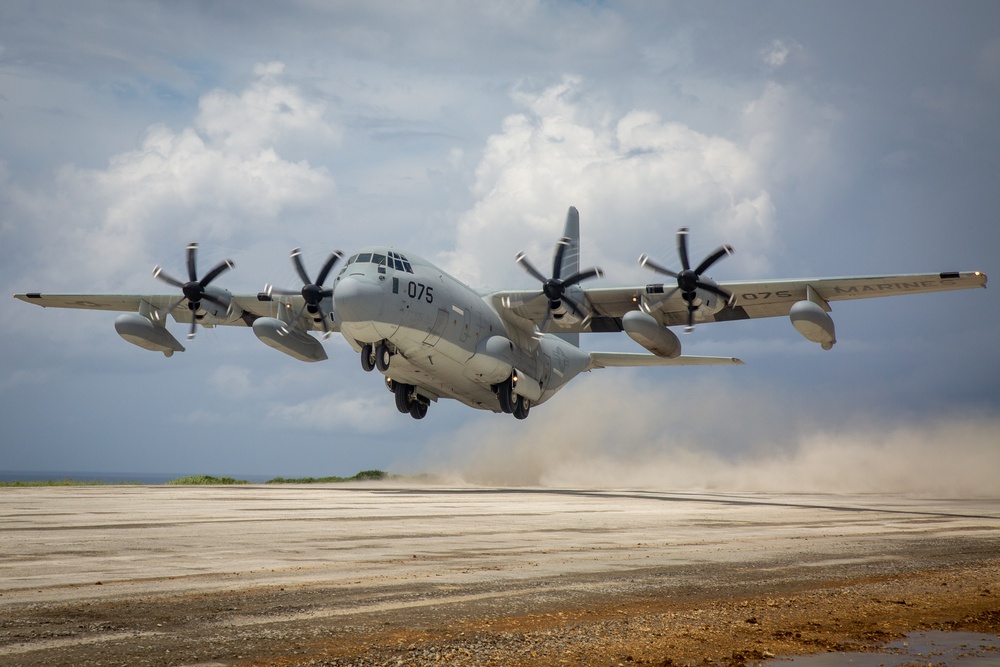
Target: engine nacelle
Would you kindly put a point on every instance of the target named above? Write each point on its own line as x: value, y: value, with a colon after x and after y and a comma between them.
x: 224, y: 311
x: 145, y: 333
x: 493, y: 361
x: 645, y: 330
x: 275, y: 333
x: 810, y: 320
x: 563, y: 316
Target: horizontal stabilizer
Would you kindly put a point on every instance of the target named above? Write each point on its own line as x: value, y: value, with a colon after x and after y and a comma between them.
x: 612, y: 359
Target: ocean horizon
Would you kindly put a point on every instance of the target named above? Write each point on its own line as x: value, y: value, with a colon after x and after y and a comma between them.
x: 110, y: 477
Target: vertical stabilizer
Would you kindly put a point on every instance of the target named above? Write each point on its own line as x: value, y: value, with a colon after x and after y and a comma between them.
x: 571, y: 259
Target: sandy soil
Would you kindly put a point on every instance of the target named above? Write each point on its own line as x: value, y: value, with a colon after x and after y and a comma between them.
x: 378, y: 575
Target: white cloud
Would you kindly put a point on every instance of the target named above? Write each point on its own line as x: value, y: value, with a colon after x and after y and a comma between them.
x: 779, y: 53
x: 341, y: 411
x: 635, y: 179
x: 216, y: 181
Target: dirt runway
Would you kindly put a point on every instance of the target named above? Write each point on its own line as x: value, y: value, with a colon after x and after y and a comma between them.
x: 383, y: 574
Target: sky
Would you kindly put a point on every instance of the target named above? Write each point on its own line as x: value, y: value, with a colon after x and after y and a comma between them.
x: 817, y: 138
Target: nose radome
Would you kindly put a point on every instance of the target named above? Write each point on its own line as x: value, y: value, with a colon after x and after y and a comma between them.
x: 358, y: 299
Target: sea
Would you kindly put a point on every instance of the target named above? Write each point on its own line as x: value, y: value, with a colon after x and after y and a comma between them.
x: 110, y: 477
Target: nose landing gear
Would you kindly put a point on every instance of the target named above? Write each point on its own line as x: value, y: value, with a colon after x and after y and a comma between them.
x: 375, y: 356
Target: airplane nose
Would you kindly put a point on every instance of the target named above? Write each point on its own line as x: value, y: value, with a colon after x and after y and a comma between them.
x: 357, y: 299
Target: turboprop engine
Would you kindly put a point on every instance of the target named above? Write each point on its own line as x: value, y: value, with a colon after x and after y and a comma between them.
x: 645, y: 330
x: 812, y: 321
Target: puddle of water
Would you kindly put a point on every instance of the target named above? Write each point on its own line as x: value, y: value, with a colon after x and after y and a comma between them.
x: 939, y: 649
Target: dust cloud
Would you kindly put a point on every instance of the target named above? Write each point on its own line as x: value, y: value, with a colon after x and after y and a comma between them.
x: 626, y: 435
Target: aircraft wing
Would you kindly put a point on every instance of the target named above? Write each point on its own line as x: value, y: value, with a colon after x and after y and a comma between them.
x: 251, y: 305
x: 752, y: 298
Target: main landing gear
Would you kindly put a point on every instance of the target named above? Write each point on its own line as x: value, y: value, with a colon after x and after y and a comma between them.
x: 407, y: 399
x: 511, y: 403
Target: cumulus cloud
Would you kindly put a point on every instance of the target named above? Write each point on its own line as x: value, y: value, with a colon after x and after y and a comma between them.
x: 340, y: 410
x: 218, y: 180
x: 634, y: 177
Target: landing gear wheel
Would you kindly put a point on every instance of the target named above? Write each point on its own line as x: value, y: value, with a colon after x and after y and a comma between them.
x: 505, y: 394
x: 418, y: 409
x: 403, y: 400
x: 382, y: 357
x: 367, y: 358
x: 521, y: 407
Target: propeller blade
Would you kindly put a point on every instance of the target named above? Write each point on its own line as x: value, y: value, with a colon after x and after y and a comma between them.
x: 160, y: 274
x: 529, y: 267
x: 271, y: 289
x: 713, y: 258
x: 557, y: 257
x: 644, y: 260
x: 216, y: 300
x: 509, y: 302
x: 682, y: 247
x: 192, y: 260
x: 194, y: 327
x: 163, y: 312
x: 649, y: 306
x: 299, y: 268
x: 219, y: 269
x: 583, y: 275
x: 326, y: 326
x: 325, y: 271
x: 708, y: 287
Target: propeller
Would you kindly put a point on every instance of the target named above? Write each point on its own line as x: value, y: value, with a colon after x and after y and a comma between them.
x: 195, y: 290
x: 312, y: 293
x: 554, y: 288
x: 689, y: 280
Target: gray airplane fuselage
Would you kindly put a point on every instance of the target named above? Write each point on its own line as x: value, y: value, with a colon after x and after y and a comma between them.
x: 447, y: 340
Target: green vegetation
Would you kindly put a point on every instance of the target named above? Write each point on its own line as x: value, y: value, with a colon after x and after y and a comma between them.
x: 363, y: 476
x: 206, y: 479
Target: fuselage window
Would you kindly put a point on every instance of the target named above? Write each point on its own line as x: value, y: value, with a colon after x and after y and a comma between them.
x: 364, y: 257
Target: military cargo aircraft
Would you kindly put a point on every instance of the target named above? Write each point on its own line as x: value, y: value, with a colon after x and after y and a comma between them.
x: 434, y: 337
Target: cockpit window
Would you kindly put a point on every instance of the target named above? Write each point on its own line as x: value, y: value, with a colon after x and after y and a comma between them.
x: 394, y: 260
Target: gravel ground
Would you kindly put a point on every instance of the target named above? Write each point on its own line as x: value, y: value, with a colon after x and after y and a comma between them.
x: 444, y: 576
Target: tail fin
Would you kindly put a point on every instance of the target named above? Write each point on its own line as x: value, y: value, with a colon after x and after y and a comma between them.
x: 571, y: 259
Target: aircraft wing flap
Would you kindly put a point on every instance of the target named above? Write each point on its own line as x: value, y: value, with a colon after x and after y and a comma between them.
x: 635, y: 359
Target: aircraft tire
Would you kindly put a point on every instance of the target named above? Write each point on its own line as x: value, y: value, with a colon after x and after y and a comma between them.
x: 402, y: 392
x: 382, y: 357
x: 418, y: 409
x: 521, y: 407
x: 505, y: 394
x: 367, y: 358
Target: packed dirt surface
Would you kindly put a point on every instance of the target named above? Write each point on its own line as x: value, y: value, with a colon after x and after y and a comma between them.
x: 381, y: 575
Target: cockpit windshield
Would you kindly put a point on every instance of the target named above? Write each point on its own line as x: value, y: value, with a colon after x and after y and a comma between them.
x: 393, y: 260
